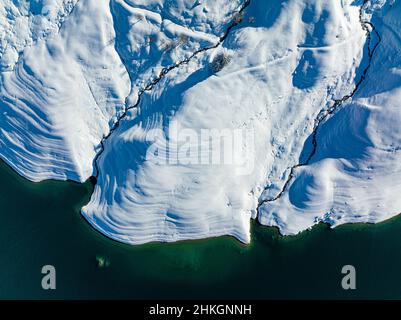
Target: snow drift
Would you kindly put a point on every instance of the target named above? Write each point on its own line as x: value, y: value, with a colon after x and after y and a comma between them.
x: 115, y: 85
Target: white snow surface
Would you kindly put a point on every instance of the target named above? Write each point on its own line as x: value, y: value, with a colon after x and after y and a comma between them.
x: 59, y: 99
x: 23, y: 23
x: 355, y: 174
x: 65, y: 82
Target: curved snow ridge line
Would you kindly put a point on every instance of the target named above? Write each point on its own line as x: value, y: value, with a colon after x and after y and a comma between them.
x: 325, y: 113
x: 237, y: 20
x: 155, y: 237
x: 168, y: 25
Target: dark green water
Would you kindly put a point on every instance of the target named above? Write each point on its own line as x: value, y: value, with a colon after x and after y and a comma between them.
x: 40, y: 224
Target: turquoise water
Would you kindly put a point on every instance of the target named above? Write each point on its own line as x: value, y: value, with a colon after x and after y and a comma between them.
x: 40, y: 224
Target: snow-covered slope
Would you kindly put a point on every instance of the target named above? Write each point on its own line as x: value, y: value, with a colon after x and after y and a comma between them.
x: 23, y: 23
x: 57, y: 102
x: 155, y: 34
x: 355, y: 173
x: 287, y: 60
x: 135, y: 91
x: 70, y: 86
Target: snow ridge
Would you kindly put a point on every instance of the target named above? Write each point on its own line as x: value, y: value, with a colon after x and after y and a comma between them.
x: 163, y: 73
x: 325, y: 113
x: 86, y: 101
x: 352, y: 175
x: 138, y: 200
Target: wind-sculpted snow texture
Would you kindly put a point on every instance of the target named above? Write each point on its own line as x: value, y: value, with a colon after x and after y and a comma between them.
x: 60, y: 97
x: 354, y: 175
x: 155, y: 34
x: 68, y: 90
x: 113, y: 88
x: 278, y: 79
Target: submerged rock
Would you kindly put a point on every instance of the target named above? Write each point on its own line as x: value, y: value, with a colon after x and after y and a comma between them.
x: 102, y: 262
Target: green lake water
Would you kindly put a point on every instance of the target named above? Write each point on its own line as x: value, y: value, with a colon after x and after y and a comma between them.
x: 40, y: 224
